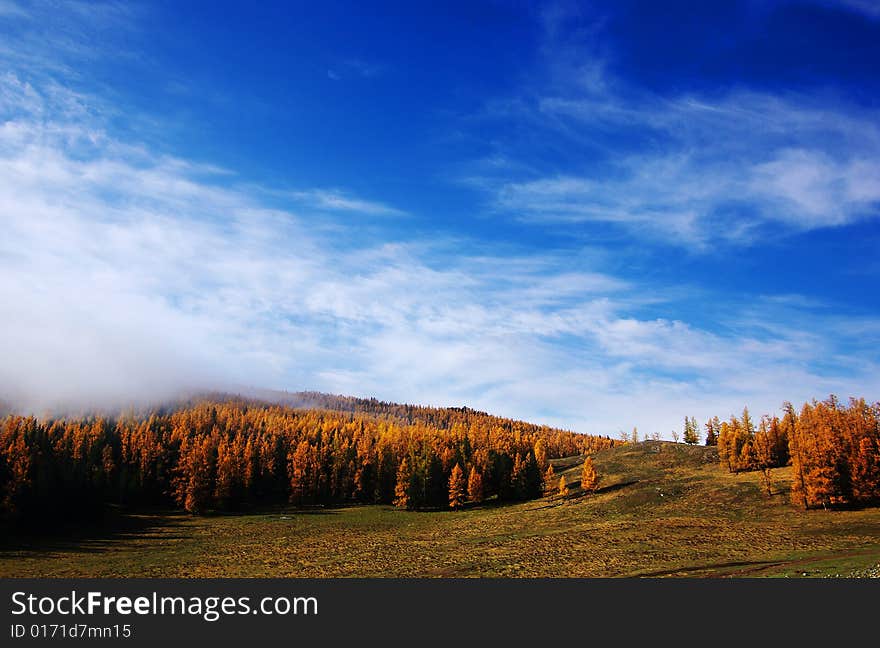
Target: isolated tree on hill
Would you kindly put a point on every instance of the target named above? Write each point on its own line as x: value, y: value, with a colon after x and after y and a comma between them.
x: 589, y: 476
x: 675, y: 436
x: 563, y: 488
x: 475, y: 486
x: 691, y: 431
x: 549, y: 477
x: 456, y: 488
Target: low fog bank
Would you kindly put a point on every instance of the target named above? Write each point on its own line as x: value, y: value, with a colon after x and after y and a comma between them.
x: 47, y: 406
x: 81, y: 368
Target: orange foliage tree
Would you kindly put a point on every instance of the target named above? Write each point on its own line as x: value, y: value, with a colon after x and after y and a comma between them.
x: 456, y: 488
x: 834, y: 450
x: 475, y: 486
x: 589, y: 476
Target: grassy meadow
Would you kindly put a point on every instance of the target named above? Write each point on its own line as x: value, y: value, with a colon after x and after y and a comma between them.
x: 662, y: 509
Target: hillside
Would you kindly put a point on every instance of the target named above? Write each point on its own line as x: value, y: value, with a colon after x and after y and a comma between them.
x: 662, y: 509
x: 405, y: 413
x: 229, y: 454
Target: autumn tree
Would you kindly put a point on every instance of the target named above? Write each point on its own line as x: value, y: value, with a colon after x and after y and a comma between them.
x: 713, y: 426
x: 541, y: 454
x: 832, y: 448
x: 197, y: 476
x: 402, y: 490
x: 764, y: 452
x: 301, y: 472
x: 866, y: 471
x: 563, y: 487
x: 796, y: 445
x: 475, y: 486
x: 527, y: 478
x: 226, y: 482
x: 691, y: 431
x: 549, y: 477
x: 747, y: 458
x: 17, y: 467
x: 456, y: 488
x: 589, y: 477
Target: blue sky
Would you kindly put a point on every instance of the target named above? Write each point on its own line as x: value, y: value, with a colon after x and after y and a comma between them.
x: 595, y: 215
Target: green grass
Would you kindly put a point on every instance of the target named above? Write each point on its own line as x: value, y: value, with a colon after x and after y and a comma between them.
x: 662, y: 510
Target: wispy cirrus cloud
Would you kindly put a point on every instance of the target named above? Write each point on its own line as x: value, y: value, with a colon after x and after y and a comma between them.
x: 57, y: 38
x: 340, y: 201
x: 692, y: 168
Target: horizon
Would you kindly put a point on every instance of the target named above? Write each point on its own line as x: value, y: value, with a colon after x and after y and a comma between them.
x: 595, y: 216
x: 47, y: 410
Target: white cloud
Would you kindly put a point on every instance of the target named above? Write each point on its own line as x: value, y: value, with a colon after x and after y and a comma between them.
x: 335, y: 200
x: 725, y: 169
x: 813, y: 190
x: 693, y: 168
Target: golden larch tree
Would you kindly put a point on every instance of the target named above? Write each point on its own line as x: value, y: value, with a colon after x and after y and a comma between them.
x: 456, y: 487
x: 549, y: 477
x: 563, y: 488
x: 401, y: 488
x: 763, y: 453
x: 476, y: 492
x: 589, y: 476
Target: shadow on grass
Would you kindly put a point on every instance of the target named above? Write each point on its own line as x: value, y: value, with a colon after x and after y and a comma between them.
x: 615, y: 487
x: 754, y: 565
x: 282, y: 511
x: 577, y: 493
x: 576, y: 486
x: 111, y: 530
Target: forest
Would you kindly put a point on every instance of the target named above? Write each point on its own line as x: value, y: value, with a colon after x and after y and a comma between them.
x: 232, y: 454
x: 222, y: 453
x: 833, y: 448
